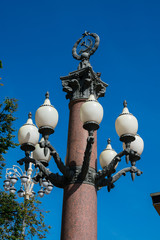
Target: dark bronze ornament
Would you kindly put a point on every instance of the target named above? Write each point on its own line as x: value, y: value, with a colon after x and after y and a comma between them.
x: 85, y: 46
x: 79, y: 84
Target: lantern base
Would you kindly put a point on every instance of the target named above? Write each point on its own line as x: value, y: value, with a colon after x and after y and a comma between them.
x: 46, y: 130
x: 127, y: 138
x: 135, y: 157
x: 91, y: 126
x: 27, y: 147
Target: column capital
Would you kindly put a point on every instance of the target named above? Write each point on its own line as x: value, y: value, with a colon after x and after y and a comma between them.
x: 79, y: 84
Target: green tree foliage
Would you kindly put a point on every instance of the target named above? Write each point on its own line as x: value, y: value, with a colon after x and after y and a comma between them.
x: 15, y: 217
x: 7, y: 110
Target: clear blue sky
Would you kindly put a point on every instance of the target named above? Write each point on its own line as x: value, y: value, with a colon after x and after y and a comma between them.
x: 36, y: 42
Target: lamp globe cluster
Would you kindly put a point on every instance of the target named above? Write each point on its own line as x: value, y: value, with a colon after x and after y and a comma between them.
x: 91, y: 114
x: 126, y: 127
x: 46, y: 118
x: 27, y: 182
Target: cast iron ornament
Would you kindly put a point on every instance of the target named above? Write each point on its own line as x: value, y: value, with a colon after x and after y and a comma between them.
x: 85, y: 46
x: 80, y: 83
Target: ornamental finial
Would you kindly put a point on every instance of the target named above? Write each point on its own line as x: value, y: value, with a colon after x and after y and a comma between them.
x: 125, y: 103
x: 29, y: 115
x: 85, y: 46
x: 47, y: 95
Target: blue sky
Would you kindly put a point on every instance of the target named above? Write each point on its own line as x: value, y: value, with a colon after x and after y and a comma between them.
x: 36, y: 43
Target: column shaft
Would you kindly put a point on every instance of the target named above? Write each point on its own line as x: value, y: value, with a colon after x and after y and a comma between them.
x: 79, y: 218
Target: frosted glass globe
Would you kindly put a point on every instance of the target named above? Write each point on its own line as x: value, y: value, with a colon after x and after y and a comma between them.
x: 12, y: 189
x: 20, y: 193
x: 13, y: 179
x: 107, y: 156
x: 50, y: 186
x: 7, y: 182
x: 38, y: 153
x: 126, y: 123
x: 45, y: 183
x: 91, y: 110
x: 47, y: 191
x: 28, y: 133
x: 24, y: 178
x: 46, y: 115
x: 41, y: 193
x: 137, y: 145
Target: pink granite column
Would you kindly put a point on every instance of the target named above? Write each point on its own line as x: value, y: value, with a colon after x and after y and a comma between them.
x: 79, y: 218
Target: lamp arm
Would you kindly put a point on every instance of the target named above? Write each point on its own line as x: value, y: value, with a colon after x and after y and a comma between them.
x: 109, y: 182
x: 55, y: 179
x: 120, y: 173
x: 63, y: 169
x: 87, y: 157
x: 133, y: 170
x: 26, y: 161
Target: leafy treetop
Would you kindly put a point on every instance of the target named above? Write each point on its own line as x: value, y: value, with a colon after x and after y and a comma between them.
x: 7, y: 109
x: 19, y: 221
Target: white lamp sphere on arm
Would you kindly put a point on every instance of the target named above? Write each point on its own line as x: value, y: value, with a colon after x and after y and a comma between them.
x: 12, y: 189
x: 107, y: 155
x: 13, y: 179
x: 24, y: 178
x: 137, y: 145
x: 20, y: 192
x: 41, y: 192
x: 91, y: 111
x: 38, y: 153
x: 126, y: 123
x: 46, y: 115
x: 28, y: 133
x: 7, y: 182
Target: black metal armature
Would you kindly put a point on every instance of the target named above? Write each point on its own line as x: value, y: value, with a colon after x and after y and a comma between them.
x: 55, y: 179
x: 63, y: 169
x: 80, y: 84
x: 110, y: 180
x: 130, y: 155
x: 83, y: 174
x: 70, y: 175
x: 87, y: 156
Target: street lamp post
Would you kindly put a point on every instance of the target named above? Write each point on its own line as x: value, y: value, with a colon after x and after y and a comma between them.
x: 12, y: 175
x: 80, y: 178
x: 27, y: 184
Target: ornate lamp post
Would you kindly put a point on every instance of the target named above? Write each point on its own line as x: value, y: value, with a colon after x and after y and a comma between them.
x: 80, y: 178
x: 27, y: 182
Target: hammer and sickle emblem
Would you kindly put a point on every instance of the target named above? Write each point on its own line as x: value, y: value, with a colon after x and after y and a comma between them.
x: 87, y: 44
